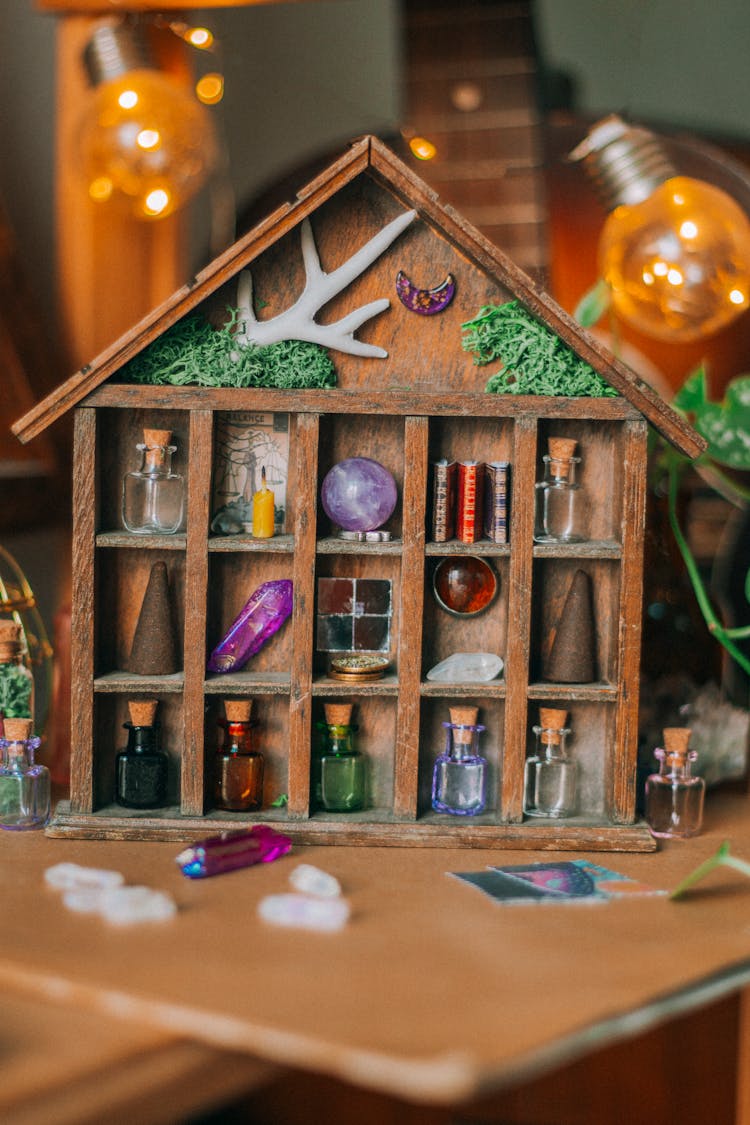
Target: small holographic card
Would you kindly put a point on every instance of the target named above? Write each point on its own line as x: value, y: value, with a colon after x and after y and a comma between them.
x: 568, y: 881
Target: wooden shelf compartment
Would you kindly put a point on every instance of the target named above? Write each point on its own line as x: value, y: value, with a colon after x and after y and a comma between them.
x: 271, y: 714
x: 435, y: 712
x: 111, y: 736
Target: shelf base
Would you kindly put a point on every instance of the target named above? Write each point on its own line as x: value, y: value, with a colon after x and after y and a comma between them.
x: 369, y: 828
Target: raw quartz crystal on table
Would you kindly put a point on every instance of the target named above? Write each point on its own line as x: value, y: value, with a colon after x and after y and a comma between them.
x: 260, y: 619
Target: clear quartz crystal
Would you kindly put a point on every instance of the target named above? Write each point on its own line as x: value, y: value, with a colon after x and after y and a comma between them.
x: 153, y: 496
x: 459, y: 780
x: 24, y: 785
x: 560, y: 513
x: 550, y: 782
x: 674, y: 798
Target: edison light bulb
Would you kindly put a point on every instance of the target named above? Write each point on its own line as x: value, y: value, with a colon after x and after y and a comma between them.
x: 144, y: 137
x: 674, y: 251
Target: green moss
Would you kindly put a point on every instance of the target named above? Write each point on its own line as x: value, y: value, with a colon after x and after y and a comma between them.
x: 535, y: 361
x: 192, y: 352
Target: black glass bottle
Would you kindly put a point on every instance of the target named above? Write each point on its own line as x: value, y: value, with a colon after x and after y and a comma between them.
x: 142, y: 767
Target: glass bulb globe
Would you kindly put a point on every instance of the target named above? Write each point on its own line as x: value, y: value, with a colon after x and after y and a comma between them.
x: 678, y: 263
x: 145, y: 137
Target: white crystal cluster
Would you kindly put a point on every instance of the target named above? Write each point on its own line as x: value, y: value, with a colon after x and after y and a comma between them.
x: 92, y: 890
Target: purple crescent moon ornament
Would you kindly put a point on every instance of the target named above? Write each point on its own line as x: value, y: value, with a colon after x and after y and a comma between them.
x: 426, y: 302
x: 263, y: 614
x: 358, y: 494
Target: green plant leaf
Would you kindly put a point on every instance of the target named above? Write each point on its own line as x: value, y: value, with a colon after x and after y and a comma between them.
x: 692, y: 394
x: 725, y: 425
x: 593, y: 304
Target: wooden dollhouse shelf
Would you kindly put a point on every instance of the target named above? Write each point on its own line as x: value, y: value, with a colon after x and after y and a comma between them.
x: 412, y: 397
x: 400, y: 715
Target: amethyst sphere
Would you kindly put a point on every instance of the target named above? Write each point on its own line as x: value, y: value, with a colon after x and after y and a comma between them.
x: 358, y: 494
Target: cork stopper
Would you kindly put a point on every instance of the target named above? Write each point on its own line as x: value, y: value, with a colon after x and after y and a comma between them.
x: 9, y: 631
x: 676, y: 740
x: 560, y: 451
x: 155, y: 441
x: 238, y: 710
x: 552, y: 721
x: 156, y: 437
x: 17, y: 730
x: 338, y: 714
x: 466, y: 717
x: 142, y: 712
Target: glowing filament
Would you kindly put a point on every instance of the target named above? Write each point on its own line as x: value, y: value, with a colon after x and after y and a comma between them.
x: 210, y: 88
x: 737, y: 297
x: 149, y: 139
x: 199, y: 37
x: 128, y: 99
x: 688, y: 229
x: 422, y: 148
x: 156, y: 201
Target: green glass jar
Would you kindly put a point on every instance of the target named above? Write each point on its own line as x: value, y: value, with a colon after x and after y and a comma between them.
x: 342, y: 780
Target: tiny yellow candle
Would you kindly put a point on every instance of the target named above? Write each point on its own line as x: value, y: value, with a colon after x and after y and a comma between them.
x: 263, y: 509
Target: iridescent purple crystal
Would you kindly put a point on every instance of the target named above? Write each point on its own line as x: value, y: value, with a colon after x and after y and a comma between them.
x: 358, y: 494
x: 262, y: 615
x: 231, y: 850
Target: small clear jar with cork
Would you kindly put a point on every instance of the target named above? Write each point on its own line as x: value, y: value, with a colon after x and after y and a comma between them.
x: 560, y: 503
x: 550, y: 775
x: 459, y: 778
x: 153, y: 496
x: 24, y: 785
x: 142, y: 768
x: 238, y: 778
x: 343, y: 774
x: 674, y: 798
x: 16, y: 679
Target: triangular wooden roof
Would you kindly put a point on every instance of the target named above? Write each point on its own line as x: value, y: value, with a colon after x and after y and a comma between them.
x: 365, y: 155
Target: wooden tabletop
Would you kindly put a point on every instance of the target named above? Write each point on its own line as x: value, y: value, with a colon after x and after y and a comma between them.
x: 432, y: 992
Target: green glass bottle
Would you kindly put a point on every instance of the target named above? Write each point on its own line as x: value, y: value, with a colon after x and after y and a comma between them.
x: 342, y: 767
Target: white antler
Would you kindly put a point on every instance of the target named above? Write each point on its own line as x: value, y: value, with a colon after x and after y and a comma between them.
x: 298, y: 321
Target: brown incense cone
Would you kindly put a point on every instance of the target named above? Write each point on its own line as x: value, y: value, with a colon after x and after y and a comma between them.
x: 238, y: 710
x: 676, y: 740
x: 338, y: 714
x: 142, y: 712
x: 466, y: 717
x: 552, y: 721
x: 153, y: 652
x: 572, y: 653
x: 17, y: 730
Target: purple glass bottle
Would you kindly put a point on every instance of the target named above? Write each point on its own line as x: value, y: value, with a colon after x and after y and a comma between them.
x: 459, y: 780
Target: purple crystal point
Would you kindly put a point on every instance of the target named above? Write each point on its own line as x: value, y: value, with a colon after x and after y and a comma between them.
x: 358, y: 494
x: 231, y: 850
x: 263, y: 614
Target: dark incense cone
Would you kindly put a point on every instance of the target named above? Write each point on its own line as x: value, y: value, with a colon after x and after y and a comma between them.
x: 572, y: 654
x: 153, y: 652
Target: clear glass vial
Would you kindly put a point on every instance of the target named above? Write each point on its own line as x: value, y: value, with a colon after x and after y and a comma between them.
x: 24, y: 785
x: 550, y: 775
x: 674, y: 798
x: 560, y: 515
x: 153, y: 496
x: 343, y: 773
x: 239, y: 766
x: 142, y: 768
x: 459, y: 778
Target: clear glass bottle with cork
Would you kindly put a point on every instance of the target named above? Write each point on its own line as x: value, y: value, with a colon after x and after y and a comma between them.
x: 459, y: 778
x: 238, y: 779
x: 560, y: 503
x: 24, y: 785
x: 153, y: 496
x: 142, y: 768
x: 550, y: 775
x: 674, y: 798
x: 342, y: 767
x: 16, y: 679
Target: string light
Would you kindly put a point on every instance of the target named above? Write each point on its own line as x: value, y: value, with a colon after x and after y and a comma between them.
x: 675, y: 251
x: 145, y: 137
